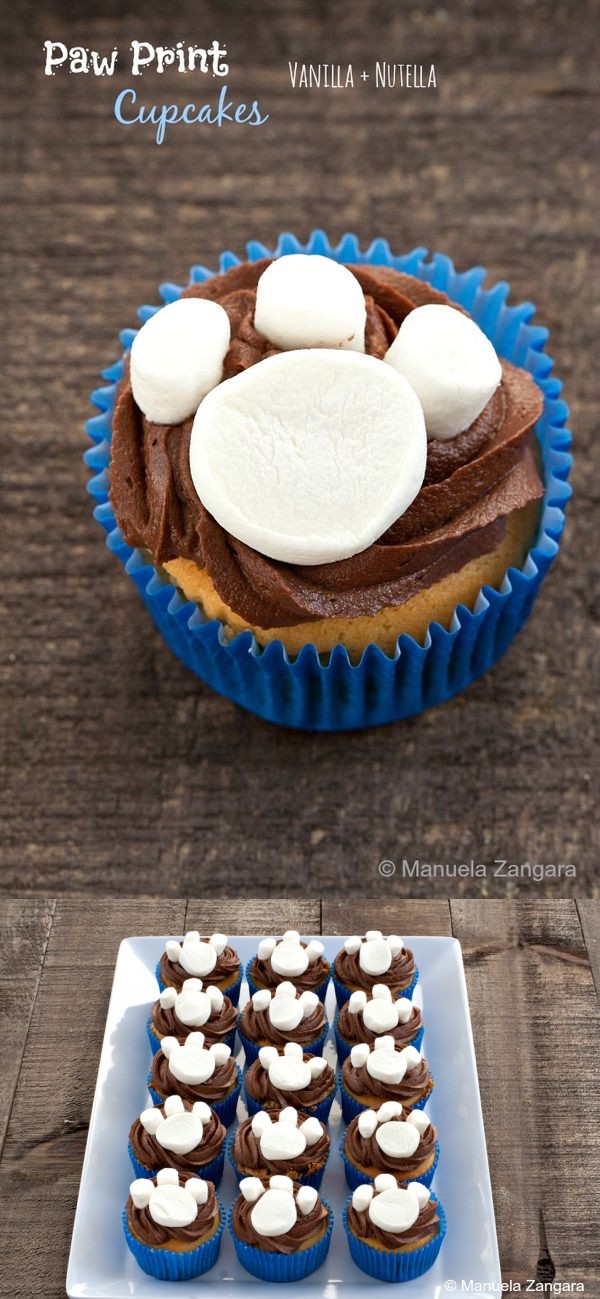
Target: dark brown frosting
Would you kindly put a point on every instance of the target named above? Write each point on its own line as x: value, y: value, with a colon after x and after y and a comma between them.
x: 366, y: 1152
x: 221, y: 1082
x: 258, y: 1027
x: 149, y: 1152
x: 261, y: 1089
x: 472, y: 481
x: 264, y: 976
x: 174, y: 975
x: 249, y: 1156
x: 308, y: 1228
x: 149, y: 1232
x: 216, y: 1028
x: 400, y: 974
x: 415, y: 1083
x: 425, y: 1227
x: 353, y: 1029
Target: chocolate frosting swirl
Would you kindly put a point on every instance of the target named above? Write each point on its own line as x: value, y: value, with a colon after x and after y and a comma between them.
x: 249, y: 1156
x: 216, y: 1028
x: 257, y: 1026
x: 221, y: 1082
x: 308, y: 1228
x: 261, y: 1089
x: 149, y: 1152
x: 400, y: 974
x: 264, y: 976
x: 173, y: 974
x: 353, y: 1028
x: 424, y: 1229
x: 368, y: 1154
x: 472, y: 481
x: 416, y: 1083
x: 149, y: 1232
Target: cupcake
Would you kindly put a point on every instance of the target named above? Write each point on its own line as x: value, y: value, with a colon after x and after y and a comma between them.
x: 371, y: 1076
x: 364, y: 1019
x: 390, y: 1140
x: 196, y: 1073
x: 364, y: 963
x: 394, y: 1232
x: 177, y: 1014
x: 279, y: 1079
x: 281, y: 1230
x: 273, y: 1019
x: 173, y: 1225
x: 288, y: 960
x: 181, y: 1135
x: 201, y: 958
x: 281, y: 1141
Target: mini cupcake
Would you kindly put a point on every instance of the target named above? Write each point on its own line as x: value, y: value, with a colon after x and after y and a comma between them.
x: 374, y: 960
x: 201, y: 958
x: 394, y: 1232
x: 173, y: 1225
x: 279, y: 1079
x: 390, y: 1140
x: 371, y: 1076
x: 364, y: 1019
x: 177, y: 1014
x: 281, y: 1231
x: 287, y: 959
x: 273, y: 1019
x: 196, y: 1073
x: 281, y: 1141
x: 178, y: 1135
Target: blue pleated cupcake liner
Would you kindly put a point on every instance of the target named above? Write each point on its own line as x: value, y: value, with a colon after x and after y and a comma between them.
x: 253, y: 987
x: 344, y: 1048
x: 225, y: 1109
x: 352, y: 1107
x: 400, y: 1265
x: 155, y: 1041
x: 282, y: 1267
x: 251, y: 1049
x: 211, y: 1172
x: 329, y: 693
x: 343, y: 994
x: 309, y: 1179
x: 233, y: 992
x: 355, y: 1177
x: 320, y: 1111
x: 170, y: 1265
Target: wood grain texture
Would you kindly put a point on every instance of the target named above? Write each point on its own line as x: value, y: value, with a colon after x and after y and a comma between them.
x: 535, y: 1022
x: 356, y: 915
x: 121, y: 771
x: 589, y: 917
x: 24, y: 929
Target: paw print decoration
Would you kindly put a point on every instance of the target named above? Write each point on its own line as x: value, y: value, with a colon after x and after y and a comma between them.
x: 197, y: 956
x: 195, y: 1004
x: 168, y: 1203
x: 375, y: 953
x: 290, y: 1072
x: 382, y: 1012
x: 391, y: 1207
x: 190, y: 1061
x: 383, y: 1061
x: 287, y: 956
x: 284, y: 1137
x: 278, y: 1206
x: 396, y: 1136
x: 284, y: 1007
x: 175, y: 1128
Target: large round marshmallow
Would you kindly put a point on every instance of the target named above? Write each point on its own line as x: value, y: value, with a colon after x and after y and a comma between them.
x: 386, y: 1065
x: 197, y: 958
x: 274, y: 1213
x: 395, y: 1210
x: 190, y: 1062
x: 180, y: 1132
x: 172, y: 1206
x: 375, y: 956
x: 177, y: 357
x: 289, y: 1073
x: 309, y: 457
x: 285, y: 1013
x: 310, y: 301
x: 380, y: 1015
x: 451, y: 365
x: 289, y: 957
x: 397, y: 1139
x: 192, y: 1005
x: 282, y: 1141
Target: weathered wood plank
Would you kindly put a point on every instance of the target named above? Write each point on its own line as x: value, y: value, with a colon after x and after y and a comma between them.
x: 24, y: 929
x: 255, y: 916
x: 404, y: 916
x: 589, y: 916
x: 535, y: 1023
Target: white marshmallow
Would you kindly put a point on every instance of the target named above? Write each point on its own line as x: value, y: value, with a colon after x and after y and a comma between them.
x: 404, y: 1009
x: 310, y: 456
x: 216, y: 998
x: 259, y: 1122
x: 422, y: 1193
x: 196, y: 957
x: 168, y: 998
x: 265, y: 948
x: 291, y: 936
x: 289, y: 1073
x: 221, y: 1052
x: 151, y: 1121
x: 372, y: 935
x: 395, y: 1209
x: 285, y: 1013
x: 219, y: 942
x: 419, y: 1120
x: 279, y: 1182
x: 306, y: 1199
x: 173, y: 1105
x: 289, y: 1115
x: 192, y: 936
x: 173, y: 949
x: 285, y: 989
x: 386, y: 1066
x: 384, y: 1044
x: 282, y: 1141
x: 451, y: 365
x: 140, y: 1192
x: 189, y: 1063
x: 304, y: 300
x: 311, y: 1130
x: 396, y: 944
x: 193, y: 1006
x: 314, y: 950
x: 389, y: 1110
x: 172, y: 1206
x: 357, y: 1003
x: 398, y: 1140
x: 381, y: 992
x: 411, y: 1056
x: 261, y: 999
x: 294, y: 1049
x: 352, y: 945
x: 267, y: 1055
x: 289, y: 958
x: 379, y: 1016
x: 177, y: 357
x: 167, y: 1177
x: 385, y: 1182
x: 180, y: 1132
x: 375, y: 956
x: 202, y: 1110
x: 274, y: 1213
x: 317, y: 1065
x: 309, y: 1002
x: 359, y: 1055
x: 251, y: 1188
x: 197, y: 1187
x: 367, y: 1123
x: 362, y: 1197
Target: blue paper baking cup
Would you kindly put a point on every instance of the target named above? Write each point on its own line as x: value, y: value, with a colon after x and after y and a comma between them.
x: 344, y: 1048
x: 400, y: 1265
x: 355, y: 1177
x: 329, y: 693
x: 352, y: 1107
x: 233, y: 992
x: 225, y: 1109
x: 251, y: 1049
x: 343, y: 994
x: 253, y: 987
x: 169, y: 1265
x: 282, y: 1267
x: 155, y: 1041
x: 320, y: 1111
x: 211, y: 1172
x: 309, y: 1179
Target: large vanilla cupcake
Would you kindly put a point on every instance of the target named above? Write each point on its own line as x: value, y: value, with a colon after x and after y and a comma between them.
x: 372, y: 1075
x: 211, y: 959
x: 274, y: 1019
x: 281, y: 1141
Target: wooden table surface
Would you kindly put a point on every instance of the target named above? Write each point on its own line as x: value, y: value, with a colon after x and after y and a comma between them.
x: 122, y: 772
x: 530, y: 970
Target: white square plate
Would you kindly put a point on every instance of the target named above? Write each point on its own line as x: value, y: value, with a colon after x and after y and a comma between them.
x: 100, y: 1264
